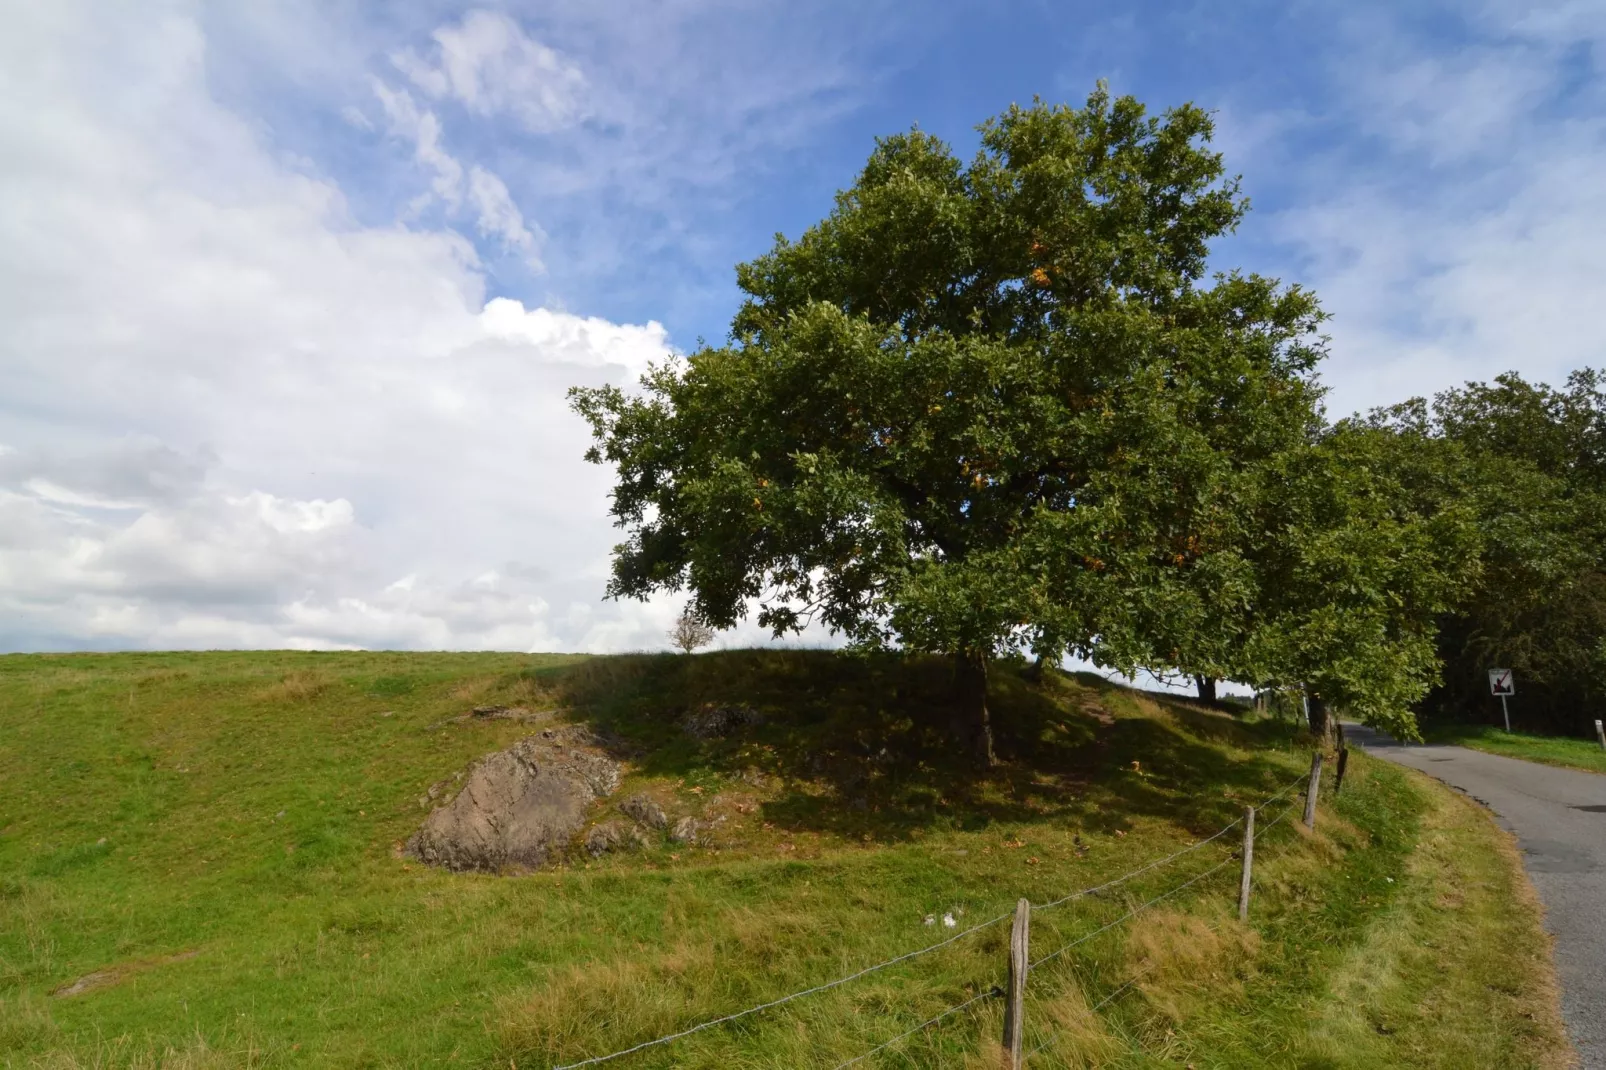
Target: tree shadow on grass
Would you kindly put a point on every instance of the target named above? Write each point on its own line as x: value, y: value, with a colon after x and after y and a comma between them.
x: 860, y: 747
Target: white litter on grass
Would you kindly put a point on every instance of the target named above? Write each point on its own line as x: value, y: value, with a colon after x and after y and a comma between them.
x: 931, y: 919
x: 948, y: 921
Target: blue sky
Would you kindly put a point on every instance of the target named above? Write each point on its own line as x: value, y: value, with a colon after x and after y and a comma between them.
x: 290, y: 294
x: 703, y: 129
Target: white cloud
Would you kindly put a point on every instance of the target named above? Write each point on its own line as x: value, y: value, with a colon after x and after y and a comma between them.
x: 489, y: 65
x: 234, y: 415
x: 423, y: 129
x: 498, y: 215
x: 1474, y: 242
x: 356, y: 117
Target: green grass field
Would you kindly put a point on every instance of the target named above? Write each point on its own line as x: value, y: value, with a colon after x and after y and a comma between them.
x: 1551, y: 750
x: 199, y: 867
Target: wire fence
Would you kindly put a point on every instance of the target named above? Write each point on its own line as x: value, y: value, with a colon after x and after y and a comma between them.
x: 1078, y: 942
x: 993, y: 991
x: 1053, y: 1038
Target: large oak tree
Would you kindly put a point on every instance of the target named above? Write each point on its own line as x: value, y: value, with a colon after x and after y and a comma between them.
x: 980, y: 406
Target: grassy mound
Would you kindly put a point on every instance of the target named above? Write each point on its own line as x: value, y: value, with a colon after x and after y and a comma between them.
x: 200, y: 866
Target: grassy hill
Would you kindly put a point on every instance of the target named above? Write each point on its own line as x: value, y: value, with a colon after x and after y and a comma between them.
x: 200, y: 866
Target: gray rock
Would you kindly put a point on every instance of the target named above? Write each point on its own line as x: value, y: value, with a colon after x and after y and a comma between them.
x: 518, y: 806
x: 611, y: 836
x: 509, y: 713
x: 686, y: 830
x: 641, y: 809
x: 713, y: 720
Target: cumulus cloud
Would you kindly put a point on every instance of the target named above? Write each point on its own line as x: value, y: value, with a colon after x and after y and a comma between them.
x: 488, y: 64
x: 236, y: 416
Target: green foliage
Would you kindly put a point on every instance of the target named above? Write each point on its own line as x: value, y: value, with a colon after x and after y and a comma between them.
x: 978, y: 406
x: 1367, y: 540
x: 1532, y: 461
x: 1344, y: 551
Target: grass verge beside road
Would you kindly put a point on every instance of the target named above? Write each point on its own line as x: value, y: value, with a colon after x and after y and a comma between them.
x: 1550, y: 750
x: 1453, y: 972
x: 198, y: 869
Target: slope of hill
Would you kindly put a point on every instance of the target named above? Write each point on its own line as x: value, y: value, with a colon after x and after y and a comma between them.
x: 201, y: 865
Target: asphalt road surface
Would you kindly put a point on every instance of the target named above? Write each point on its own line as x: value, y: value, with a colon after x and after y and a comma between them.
x: 1559, y: 818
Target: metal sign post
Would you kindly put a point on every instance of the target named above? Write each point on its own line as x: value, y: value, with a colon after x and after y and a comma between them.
x: 1503, y: 682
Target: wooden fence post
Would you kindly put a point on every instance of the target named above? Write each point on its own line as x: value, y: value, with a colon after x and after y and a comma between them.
x: 1249, y: 863
x: 1310, y: 794
x: 1015, y: 1009
x: 1600, y: 734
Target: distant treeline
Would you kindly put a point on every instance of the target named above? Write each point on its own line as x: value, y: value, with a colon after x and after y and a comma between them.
x: 1532, y: 460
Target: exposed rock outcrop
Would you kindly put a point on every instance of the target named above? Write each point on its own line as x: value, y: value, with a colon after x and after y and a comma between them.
x: 715, y: 720
x: 615, y: 835
x: 641, y: 809
x: 519, y: 806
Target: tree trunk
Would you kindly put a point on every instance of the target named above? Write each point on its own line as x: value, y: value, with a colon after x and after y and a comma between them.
x: 1035, y: 672
x: 1318, y: 717
x: 972, y: 724
x: 1207, y: 688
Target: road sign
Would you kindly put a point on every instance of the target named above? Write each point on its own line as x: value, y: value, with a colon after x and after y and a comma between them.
x: 1502, y: 682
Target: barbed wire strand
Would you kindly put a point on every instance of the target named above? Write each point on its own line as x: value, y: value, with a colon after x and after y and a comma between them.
x: 1139, y: 976
x: 1100, y: 1005
x: 1162, y: 861
x: 955, y: 1009
x: 1290, y: 786
x: 594, y: 1060
x: 1134, y: 912
x: 787, y: 999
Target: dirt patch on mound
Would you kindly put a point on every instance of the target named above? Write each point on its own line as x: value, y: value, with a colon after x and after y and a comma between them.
x: 89, y: 982
x: 520, y: 806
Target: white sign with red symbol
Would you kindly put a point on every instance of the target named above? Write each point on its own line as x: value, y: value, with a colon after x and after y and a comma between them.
x: 1502, y: 682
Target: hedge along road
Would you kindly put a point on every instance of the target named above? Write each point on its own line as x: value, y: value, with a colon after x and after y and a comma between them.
x: 1559, y: 818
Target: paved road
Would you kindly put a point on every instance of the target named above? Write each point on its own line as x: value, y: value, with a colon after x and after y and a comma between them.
x: 1559, y: 818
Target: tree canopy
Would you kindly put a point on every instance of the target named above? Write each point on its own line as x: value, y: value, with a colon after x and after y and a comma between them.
x: 1001, y: 404
x: 1531, y: 460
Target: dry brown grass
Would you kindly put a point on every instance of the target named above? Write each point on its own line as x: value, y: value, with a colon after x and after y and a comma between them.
x: 531, y: 692
x: 1082, y: 1038
x: 126, y: 1053
x: 1182, y: 960
x: 990, y: 1056
x: 589, y: 1006
x: 472, y: 688
x: 299, y: 686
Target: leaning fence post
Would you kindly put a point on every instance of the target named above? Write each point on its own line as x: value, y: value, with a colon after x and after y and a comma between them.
x: 1015, y: 1009
x: 1310, y: 794
x: 1600, y: 734
x: 1249, y: 863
